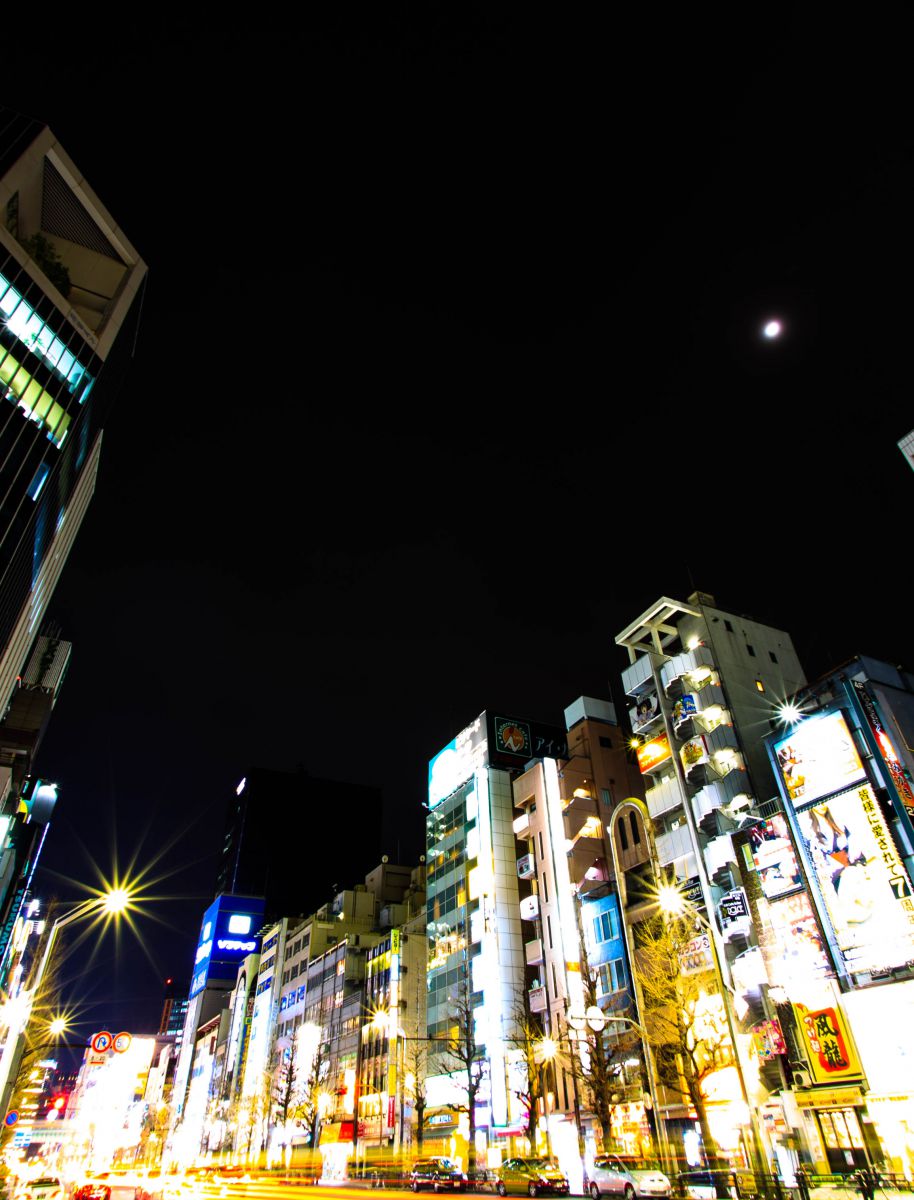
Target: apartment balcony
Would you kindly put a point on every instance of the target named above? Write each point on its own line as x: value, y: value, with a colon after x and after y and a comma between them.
x: 699, y: 712
x: 674, y: 844
x: 666, y: 794
x: 637, y: 677
x: 719, y: 854
x: 538, y: 999
x: 687, y: 672
x: 533, y: 952
x: 715, y: 795
x: 709, y: 757
x: 646, y: 716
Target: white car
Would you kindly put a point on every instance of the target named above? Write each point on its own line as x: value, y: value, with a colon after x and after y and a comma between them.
x: 614, y: 1176
x: 48, y: 1187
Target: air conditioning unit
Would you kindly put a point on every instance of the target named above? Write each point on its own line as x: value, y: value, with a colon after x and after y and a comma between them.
x: 801, y: 1079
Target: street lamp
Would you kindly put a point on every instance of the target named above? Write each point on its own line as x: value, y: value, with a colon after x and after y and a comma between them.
x: 18, y: 1010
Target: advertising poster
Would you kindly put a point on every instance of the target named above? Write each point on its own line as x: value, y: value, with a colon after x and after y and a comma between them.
x: 862, y: 879
x: 768, y: 1040
x: 796, y: 952
x: 693, y: 753
x: 684, y: 708
x: 774, y: 857
x: 651, y: 754
x: 818, y: 757
x: 645, y: 711
x: 827, y: 1043
x: 695, y: 956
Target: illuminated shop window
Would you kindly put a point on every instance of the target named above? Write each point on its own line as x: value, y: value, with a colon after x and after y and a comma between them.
x: 33, y: 332
x: 37, y: 404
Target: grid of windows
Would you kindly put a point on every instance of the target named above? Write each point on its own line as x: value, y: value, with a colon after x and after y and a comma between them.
x: 25, y: 333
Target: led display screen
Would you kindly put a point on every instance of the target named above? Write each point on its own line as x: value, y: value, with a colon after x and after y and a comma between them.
x: 862, y: 879
x: 818, y: 757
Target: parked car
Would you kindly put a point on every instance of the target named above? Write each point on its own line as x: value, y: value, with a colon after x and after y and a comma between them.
x: 723, y: 1184
x: 535, y: 1176
x: 48, y: 1187
x: 628, y: 1177
x: 438, y: 1174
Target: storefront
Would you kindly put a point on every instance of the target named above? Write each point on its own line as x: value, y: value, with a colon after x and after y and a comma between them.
x: 882, y: 1019
x: 336, y: 1147
x: 836, y: 1118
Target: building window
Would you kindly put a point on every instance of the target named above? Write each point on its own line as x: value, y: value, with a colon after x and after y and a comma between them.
x: 542, y: 855
x: 636, y: 832
x: 728, y: 626
x: 772, y: 656
x: 611, y: 977
x: 760, y: 687
x: 545, y: 890
x: 606, y: 796
x: 606, y: 925
x: 750, y: 651
x: 606, y: 743
x: 623, y: 836
x: 549, y: 932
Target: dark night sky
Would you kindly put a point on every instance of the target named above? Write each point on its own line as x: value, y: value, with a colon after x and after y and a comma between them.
x: 450, y: 365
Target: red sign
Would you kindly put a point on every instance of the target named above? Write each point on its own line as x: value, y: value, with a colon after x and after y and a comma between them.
x: 101, y: 1041
x: 391, y: 1105
x: 651, y: 754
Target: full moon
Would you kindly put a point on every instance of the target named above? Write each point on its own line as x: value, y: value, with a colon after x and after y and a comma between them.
x: 772, y: 329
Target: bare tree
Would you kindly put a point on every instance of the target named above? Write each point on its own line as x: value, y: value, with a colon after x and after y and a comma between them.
x: 527, y: 1038
x: 307, y: 1108
x: 683, y: 1013
x: 285, y: 1091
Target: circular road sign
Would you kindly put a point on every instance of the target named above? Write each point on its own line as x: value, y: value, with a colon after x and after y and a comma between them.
x: 122, y: 1042
x: 101, y: 1041
x: 11, y: 1118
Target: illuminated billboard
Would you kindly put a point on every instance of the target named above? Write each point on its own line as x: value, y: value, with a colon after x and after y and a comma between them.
x: 229, y: 932
x: 513, y: 742
x: 818, y: 757
x: 895, y: 767
x: 457, y: 762
x: 651, y: 754
x: 491, y: 740
x: 827, y: 1043
x: 862, y: 880
x: 774, y: 858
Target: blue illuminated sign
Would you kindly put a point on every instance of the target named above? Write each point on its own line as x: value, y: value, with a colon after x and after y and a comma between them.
x: 226, y: 938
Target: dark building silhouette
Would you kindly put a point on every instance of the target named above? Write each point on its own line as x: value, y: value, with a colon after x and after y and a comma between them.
x: 70, y: 297
x: 294, y: 839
